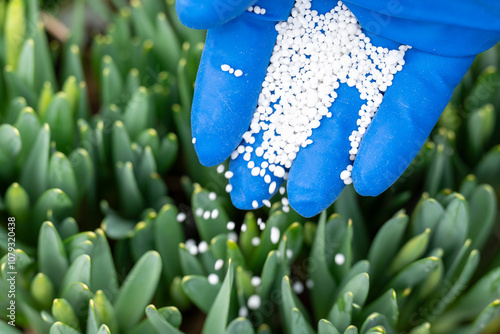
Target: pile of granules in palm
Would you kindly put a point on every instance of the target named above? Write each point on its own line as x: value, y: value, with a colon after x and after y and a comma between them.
x: 313, y: 55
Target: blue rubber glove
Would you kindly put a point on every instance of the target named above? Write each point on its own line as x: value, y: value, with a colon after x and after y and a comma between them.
x: 445, y: 38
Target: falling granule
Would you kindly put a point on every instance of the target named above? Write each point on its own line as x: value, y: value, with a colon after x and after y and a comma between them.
x: 275, y: 235
x: 298, y: 287
x: 212, y: 196
x: 233, y: 236
x: 214, y: 214
x: 218, y: 264
x: 228, y: 174
x: 289, y: 254
x: 339, y: 259
x: 267, y: 203
x: 243, y: 312
x: 255, y: 204
x: 310, y: 284
x: 256, y: 280
x: 213, y: 279
x: 199, y: 212
x: 190, y: 243
x: 202, y: 247
x: 255, y: 241
x: 230, y: 226
x: 206, y: 215
x: 272, y: 187
x: 314, y: 54
x: 254, y: 302
x: 282, y: 190
x: 243, y: 227
x: 193, y: 250
x: 229, y: 188
x: 220, y: 169
x: 181, y: 217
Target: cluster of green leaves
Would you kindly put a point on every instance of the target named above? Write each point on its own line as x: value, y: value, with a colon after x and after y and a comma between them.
x: 415, y: 276
x: 67, y: 166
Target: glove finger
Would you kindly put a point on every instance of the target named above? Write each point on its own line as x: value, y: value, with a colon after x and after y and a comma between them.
x: 206, y: 14
x: 410, y: 109
x: 249, y: 191
x: 314, y: 180
x: 223, y: 103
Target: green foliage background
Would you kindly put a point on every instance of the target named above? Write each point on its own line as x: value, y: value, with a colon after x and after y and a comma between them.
x: 96, y: 163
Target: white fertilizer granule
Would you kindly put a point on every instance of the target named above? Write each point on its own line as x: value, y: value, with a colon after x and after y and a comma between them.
x: 313, y: 55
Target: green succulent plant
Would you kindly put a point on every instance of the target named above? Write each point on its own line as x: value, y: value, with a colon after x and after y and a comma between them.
x: 114, y: 214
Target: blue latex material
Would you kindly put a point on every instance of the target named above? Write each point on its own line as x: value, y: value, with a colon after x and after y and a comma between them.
x: 445, y: 36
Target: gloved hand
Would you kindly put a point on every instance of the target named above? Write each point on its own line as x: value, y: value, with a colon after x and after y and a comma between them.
x: 445, y: 38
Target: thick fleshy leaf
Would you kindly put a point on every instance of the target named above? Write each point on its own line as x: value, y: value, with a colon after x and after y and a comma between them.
x: 489, y: 314
x: 240, y: 326
x: 386, y: 244
x: 299, y: 324
x: 482, y: 213
x: 121, y: 144
x: 200, y: 291
x: 15, y: 26
x: 376, y: 323
x: 413, y: 274
x: 324, y: 284
x: 10, y: 148
x: 105, y: 311
x: 326, y: 327
x: 60, y: 328
x: 141, y: 240
x: 451, y: 230
x: 61, y: 175
x: 53, y: 203
x: 52, y: 259
x: 131, y: 199
x: 42, y: 290
x: 28, y: 125
x: 136, y: 116
x: 341, y: 312
x: 168, y: 234
x: 34, y: 172
x: 159, y: 323
x: 17, y: 202
x: 63, y: 311
x: 386, y: 305
x: 137, y: 290
x: 268, y: 277
x: 60, y: 119
x: 426, y: 215
x: 411, y: 251
x: 484, y: 292
x: 78, y: 271
x: 359, y: 287
x: 92, y: 319
x: 480, y: 127
x: 216, y: 320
